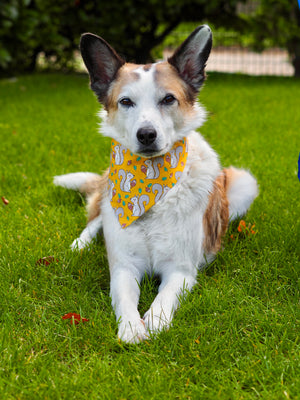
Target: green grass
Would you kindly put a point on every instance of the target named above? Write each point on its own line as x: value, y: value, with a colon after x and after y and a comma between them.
x: 236, y: 336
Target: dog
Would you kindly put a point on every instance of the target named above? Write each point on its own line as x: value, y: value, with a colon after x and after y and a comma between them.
x: 165, y: 203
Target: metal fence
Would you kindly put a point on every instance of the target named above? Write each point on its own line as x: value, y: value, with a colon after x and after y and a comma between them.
x: 242, y: 60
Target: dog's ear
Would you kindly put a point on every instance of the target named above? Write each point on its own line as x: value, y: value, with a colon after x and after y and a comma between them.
x: 101, y: 61
x: 190, y: 57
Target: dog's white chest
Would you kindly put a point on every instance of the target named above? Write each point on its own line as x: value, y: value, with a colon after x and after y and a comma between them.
x: 172, y: 229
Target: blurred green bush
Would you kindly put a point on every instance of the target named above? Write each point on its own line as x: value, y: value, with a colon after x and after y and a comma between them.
x: 132, y: 27
x: 135, y: 27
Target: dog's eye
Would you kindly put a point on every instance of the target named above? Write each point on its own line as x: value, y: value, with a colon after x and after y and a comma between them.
x: 126, y: 102
x: 168, y: 100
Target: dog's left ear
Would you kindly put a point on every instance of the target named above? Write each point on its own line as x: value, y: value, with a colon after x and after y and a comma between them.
x: 102, y: 62
x: 191, y: 56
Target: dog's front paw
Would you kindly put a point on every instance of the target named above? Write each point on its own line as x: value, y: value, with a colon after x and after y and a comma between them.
x: 156, y: 322
x: 132, y: 331
x: 80, y: 243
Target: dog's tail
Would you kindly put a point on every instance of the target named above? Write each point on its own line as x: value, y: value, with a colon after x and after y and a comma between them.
x: 241, y: 189
x: 85, y: 182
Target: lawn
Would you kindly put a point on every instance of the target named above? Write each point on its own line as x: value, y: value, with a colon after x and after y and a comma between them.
x: 236, y: 336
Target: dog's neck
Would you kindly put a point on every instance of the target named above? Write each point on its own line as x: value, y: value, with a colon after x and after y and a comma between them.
x: 137, y: 183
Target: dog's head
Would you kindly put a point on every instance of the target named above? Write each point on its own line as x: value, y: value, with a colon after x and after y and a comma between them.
x: 147, y: 108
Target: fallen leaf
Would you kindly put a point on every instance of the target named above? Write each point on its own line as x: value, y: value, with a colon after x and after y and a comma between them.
x: 5, y: 201
x: 242, y: 226
x: 74, y: 318
x: 46, y: 260
x: 246, y: 230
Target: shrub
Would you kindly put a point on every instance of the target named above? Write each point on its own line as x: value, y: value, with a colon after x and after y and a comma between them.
x: 133, y: 27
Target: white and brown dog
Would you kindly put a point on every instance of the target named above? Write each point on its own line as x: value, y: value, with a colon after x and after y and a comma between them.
x: 164, y: 203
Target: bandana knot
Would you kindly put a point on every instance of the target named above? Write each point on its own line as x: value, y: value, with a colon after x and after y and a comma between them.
x: 137, y: 183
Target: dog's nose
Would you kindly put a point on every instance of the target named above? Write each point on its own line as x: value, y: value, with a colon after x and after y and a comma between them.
x: 146, y: 136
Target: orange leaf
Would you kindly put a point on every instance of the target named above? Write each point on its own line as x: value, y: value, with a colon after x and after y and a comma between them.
x: 242, y: 226
x: 74, y: 318
x: 46, y: 260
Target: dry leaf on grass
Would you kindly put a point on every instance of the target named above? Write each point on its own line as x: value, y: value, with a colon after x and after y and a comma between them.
x: 74, y: 318
x: 4, y: 200
x: 46, y: 260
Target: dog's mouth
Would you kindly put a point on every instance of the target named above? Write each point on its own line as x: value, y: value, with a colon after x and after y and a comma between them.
x: 150, y: 152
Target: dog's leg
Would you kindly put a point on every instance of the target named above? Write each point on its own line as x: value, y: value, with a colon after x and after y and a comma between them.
x: 88, y: 234
x: 172, y: 288
x: 125, y: 293
x: 128, y: 260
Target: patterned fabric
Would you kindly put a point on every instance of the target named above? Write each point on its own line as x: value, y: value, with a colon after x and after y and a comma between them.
x: 137, y: 183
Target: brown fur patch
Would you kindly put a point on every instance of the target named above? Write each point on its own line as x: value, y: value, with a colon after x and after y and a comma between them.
x: 125, y: 75
x: 216, y: 216
x: 95, y: 184
x: 94, y: 190
x: 147, y: 67
x: 167, y: 77
x: 93, y: 206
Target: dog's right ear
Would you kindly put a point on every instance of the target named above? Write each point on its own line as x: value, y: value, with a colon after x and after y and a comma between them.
x: 101, y: 61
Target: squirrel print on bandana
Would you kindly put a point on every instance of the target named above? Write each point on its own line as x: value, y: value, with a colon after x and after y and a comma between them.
x: 137, y: 183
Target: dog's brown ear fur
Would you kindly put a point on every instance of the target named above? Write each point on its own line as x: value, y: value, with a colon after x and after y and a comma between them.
x: 190, y: 57
x: 102, y: 62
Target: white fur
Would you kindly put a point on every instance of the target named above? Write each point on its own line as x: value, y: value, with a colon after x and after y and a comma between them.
x: 168, y: 239
x: 73, y: 181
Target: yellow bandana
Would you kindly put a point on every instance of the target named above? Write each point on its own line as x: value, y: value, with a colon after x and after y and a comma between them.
x: 137, y: 183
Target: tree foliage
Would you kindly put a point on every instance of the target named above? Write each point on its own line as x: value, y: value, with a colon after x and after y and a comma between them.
x: 133, y: 27
x: 276, y: 23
